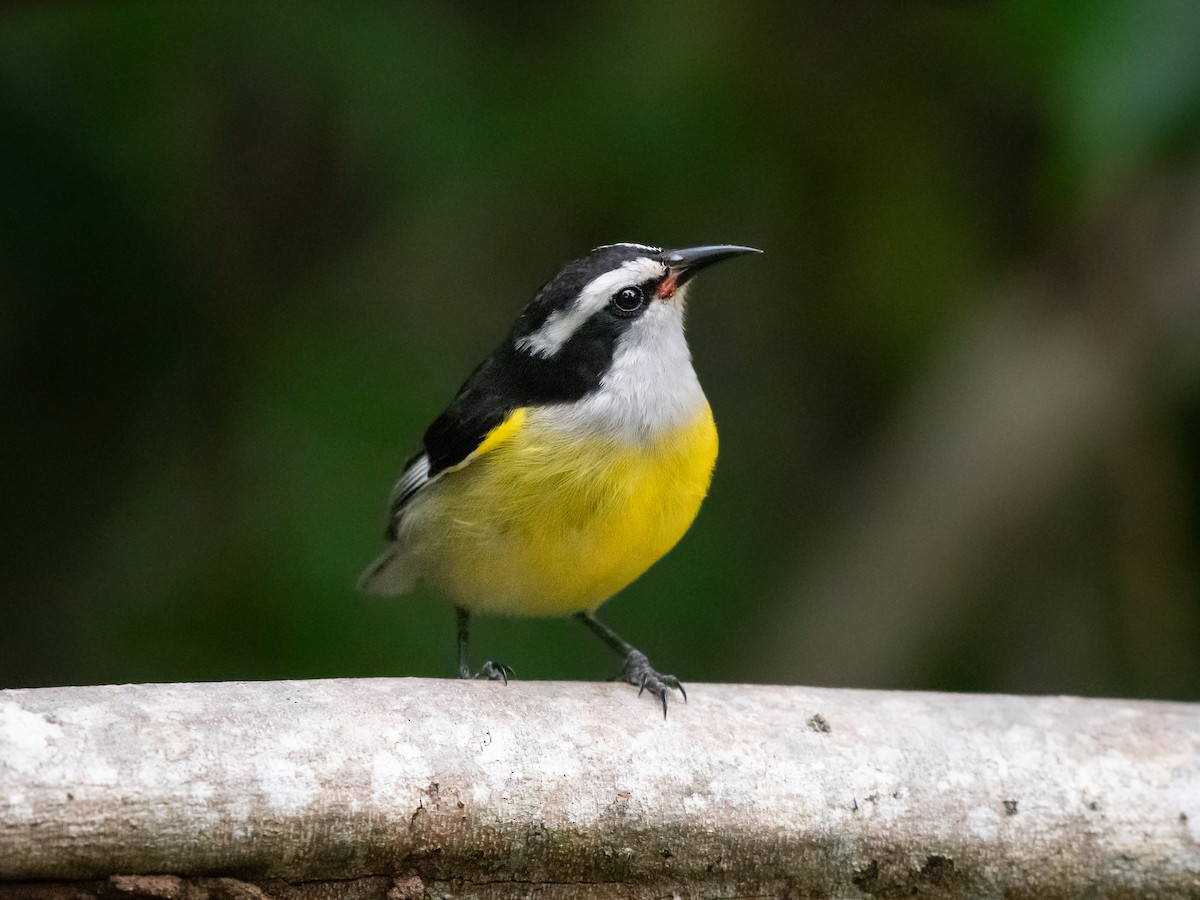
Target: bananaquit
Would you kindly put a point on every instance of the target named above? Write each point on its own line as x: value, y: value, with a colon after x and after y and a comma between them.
x: 573, y: 457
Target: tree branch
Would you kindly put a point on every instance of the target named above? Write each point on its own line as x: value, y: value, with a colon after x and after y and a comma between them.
x: 406, y: 788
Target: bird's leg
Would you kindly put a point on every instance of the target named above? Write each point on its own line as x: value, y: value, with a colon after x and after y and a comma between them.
x: 491, y: 671
x: 464, y: 625
x: 637, y: 670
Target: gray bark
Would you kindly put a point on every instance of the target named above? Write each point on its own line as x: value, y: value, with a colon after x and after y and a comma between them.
x: 412, y: 788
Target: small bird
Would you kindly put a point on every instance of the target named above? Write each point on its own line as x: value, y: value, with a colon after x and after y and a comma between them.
x: 570, y: 461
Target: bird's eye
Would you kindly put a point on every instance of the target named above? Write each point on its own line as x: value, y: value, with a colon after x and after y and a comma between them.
x: 628, y: 299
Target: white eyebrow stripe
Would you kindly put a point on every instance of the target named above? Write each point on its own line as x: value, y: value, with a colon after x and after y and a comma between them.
x: 646, y: 247
x: 560, y: 326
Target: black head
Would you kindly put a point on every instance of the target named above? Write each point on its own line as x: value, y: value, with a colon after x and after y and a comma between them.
x: 565, y: 339
x: 599, y: 296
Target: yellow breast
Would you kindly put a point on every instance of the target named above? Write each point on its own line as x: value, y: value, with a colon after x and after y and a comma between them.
x: 546, y: 523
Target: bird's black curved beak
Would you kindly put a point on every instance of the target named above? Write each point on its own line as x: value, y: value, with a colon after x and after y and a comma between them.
x: 686, y: 263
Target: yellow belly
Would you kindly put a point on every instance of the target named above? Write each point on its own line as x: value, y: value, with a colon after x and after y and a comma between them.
x: 544, y: 524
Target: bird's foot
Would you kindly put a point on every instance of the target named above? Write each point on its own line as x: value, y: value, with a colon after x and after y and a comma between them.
x: 494, y: 671
x: 637, y: 671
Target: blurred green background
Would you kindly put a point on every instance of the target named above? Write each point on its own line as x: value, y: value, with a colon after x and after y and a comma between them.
x: 249, y: 251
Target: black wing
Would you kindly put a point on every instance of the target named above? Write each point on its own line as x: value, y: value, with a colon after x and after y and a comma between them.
x: 505, y: 381
x: 481, y: 404
x: 453, y: 436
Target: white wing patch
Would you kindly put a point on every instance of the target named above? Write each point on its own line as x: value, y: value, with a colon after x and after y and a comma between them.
x: 414, y: 477
x: 560, y: 326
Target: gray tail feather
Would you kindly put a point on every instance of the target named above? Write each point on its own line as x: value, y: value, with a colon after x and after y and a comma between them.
x: 387, y: 576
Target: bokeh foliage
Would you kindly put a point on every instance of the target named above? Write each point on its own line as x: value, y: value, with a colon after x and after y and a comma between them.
x: 248, y: 251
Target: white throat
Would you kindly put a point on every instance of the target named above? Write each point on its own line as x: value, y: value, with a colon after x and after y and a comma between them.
x: 650, y: 389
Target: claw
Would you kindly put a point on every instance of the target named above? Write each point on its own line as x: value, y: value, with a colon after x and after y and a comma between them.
x: 672, y: 682
x: 637, y: 671
x: 493, y: 671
